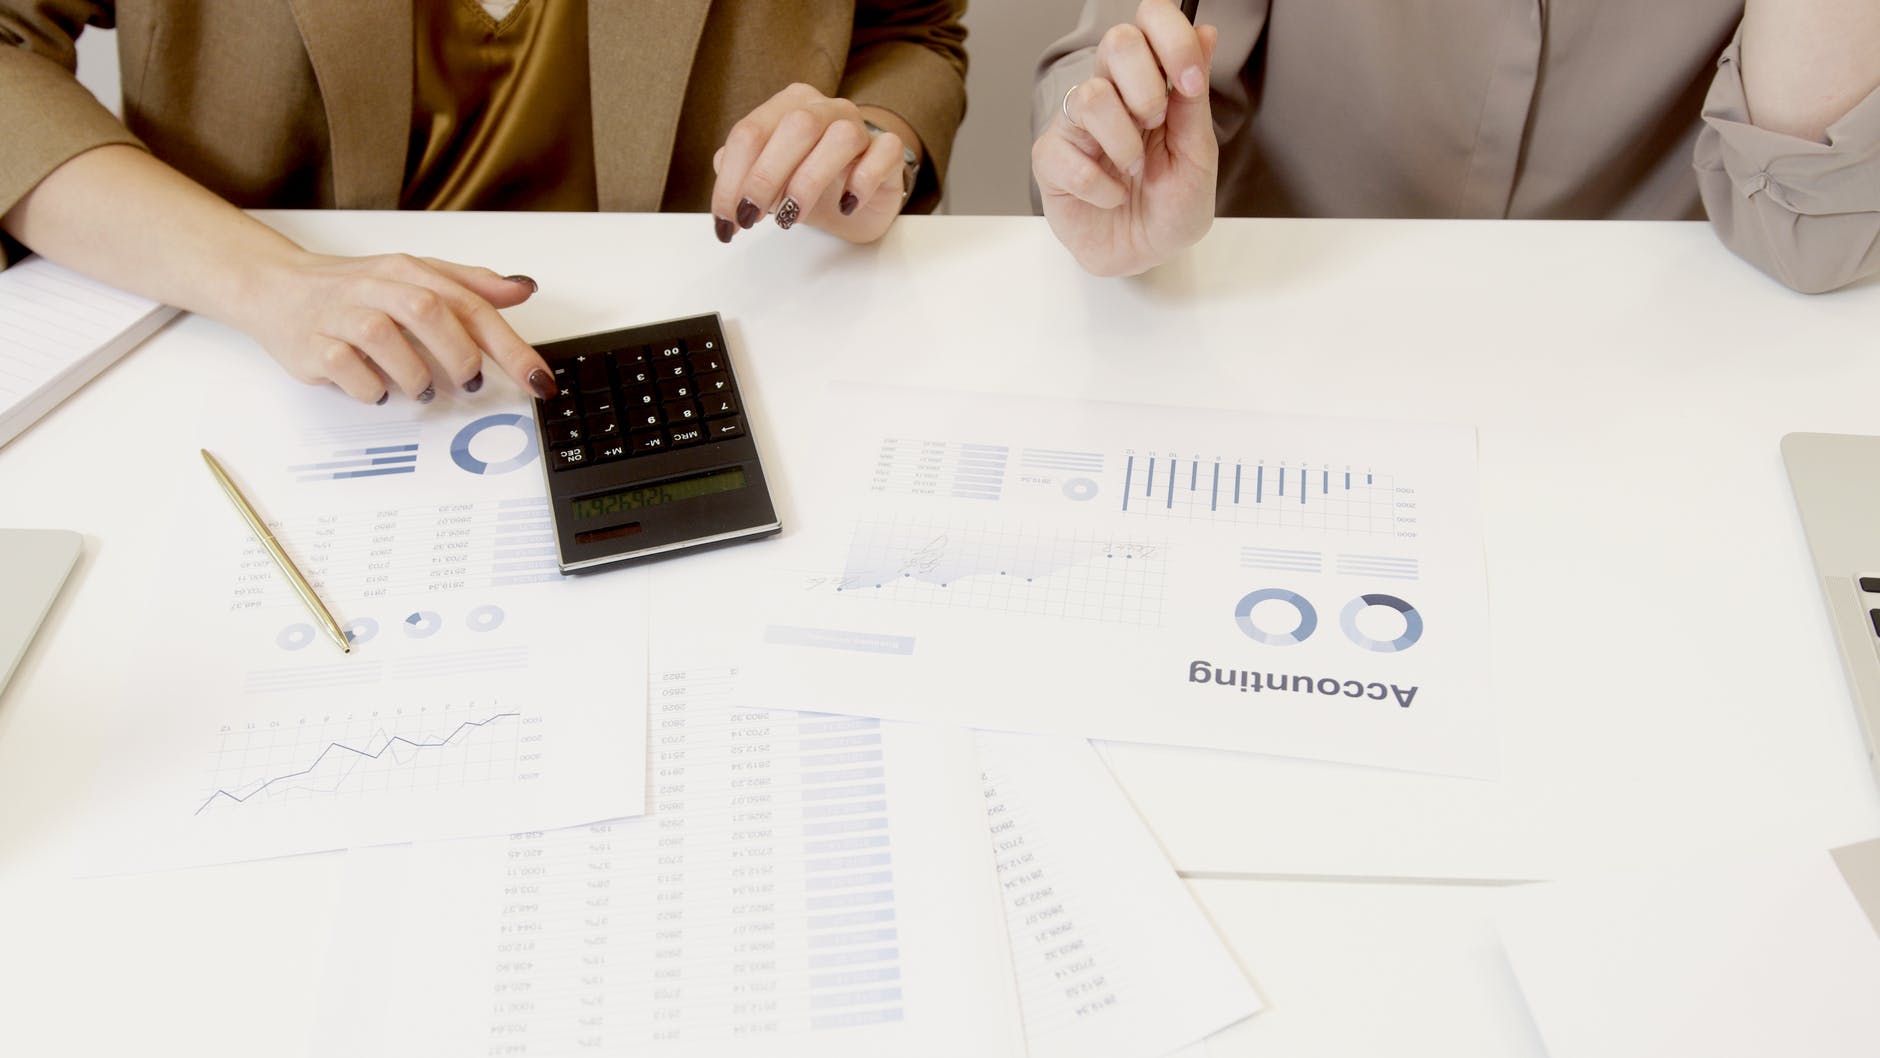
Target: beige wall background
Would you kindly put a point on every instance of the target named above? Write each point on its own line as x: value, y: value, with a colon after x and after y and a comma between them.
x: 992, y: 158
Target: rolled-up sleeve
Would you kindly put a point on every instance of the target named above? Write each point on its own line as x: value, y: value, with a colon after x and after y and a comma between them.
x: 46, y: 116
x: 1807, y: 213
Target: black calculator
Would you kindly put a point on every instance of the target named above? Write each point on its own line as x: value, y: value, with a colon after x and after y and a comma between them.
x: 648, y: 450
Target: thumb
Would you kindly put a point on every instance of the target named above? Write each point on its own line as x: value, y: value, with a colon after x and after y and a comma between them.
x: 1191, y: 120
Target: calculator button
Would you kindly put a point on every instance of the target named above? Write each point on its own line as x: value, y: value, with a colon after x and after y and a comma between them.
x: 637, y: 375
x: 562, y: 407
x: 641, y: 418
x: 706, y: 363
x: 647, y: 441
x: 677, y: 389
x: 1870, y: 585
x: 642, y: 396
x: 564, y: 432
x: 673, y: 369
x: 660, y: 352
x: 591, y: 372
x: 602, y: 428
x: 721, y: 429
x: 717, y: 382
x: 702, y: 343
x: 564, y: 376
x: 566, y: 456
x: 615, y: 449
x: 681, y: 411
x: 631, y: 356
x: 687, y: 435
x: 719, y: 406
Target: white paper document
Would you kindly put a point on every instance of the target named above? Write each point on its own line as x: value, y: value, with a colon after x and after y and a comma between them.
x: 1114, y: 958
x: 58, y: 330
x: 484, y: 693
x: 1763, y: 953
x: 1281, y: 584
x: 804, y: 885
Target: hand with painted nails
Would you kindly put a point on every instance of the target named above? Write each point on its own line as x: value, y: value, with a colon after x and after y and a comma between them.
x: 373, y: 324
x: 1127, y: 169
x: 812, y: 159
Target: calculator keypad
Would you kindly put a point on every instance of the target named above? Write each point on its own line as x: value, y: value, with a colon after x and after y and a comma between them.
x: 640, y: 400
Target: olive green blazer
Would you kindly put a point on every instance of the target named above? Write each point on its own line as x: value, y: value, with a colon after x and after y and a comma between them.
x: 307, y: 103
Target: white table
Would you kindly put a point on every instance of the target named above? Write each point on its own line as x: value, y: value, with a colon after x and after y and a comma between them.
x: 1662, y: 665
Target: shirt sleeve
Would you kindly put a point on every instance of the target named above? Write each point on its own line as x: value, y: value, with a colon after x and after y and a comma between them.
x: 910, y: 58
x: 1807, y: 213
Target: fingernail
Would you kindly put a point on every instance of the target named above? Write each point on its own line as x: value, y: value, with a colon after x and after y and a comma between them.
x: 1135, y: 168
x: 475, y: 383
x: 383, y: 397
x: 1193, y: 81
x: 525, y: 281
x: 787, y: 213
x: 724, y: 228
x: 848, y: 203
x: 1156, y: 122
x: 429, y: 394
x: 748, y: 213
x: 543, y: 384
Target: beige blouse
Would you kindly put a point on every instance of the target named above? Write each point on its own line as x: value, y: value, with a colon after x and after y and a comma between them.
x: 1516, y: 108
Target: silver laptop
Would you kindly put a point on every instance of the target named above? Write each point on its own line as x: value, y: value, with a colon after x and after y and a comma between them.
x: 33, y: 566
x: 1836, y: 478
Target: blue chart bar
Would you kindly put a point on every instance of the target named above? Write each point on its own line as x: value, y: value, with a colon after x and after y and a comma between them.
x: 1302, y: 484
x: 1282, y: 481
x: 1171, y: 483
x: 1259, y: 482
x: 1347, y: 481
x: 1129, y: 467
x: 1150, y: 490
x: 1236, y: 483
x: 1214, y: 495
x: 1325, y: 482
x: 1367, y: 477
x: 1194, y: 473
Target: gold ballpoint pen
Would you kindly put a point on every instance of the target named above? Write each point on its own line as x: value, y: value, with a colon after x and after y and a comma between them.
x: 292, y: 572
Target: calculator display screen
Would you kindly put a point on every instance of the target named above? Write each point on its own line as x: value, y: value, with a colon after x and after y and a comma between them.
x: 665, y: 492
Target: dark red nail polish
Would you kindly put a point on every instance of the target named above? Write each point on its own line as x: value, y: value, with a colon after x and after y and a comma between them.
x: 383, y: 397
x: 525, y: 281
x: 848, y: 203
x: 429, y: 395
x: 748, y: 213
x: 475, y: 383
x: 724, y: 228
x: 787, y: 214
x: 543, y: 384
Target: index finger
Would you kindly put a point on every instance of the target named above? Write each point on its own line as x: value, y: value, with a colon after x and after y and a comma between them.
x: 1176, y: 44
x: 490, y: 331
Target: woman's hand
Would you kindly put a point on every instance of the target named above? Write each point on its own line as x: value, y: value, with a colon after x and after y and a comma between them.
x: 370, y: 324
x: 807, y: 157
x: 1127, y: 169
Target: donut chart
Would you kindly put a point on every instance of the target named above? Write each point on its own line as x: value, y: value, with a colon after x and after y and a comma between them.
x: 294, y: 636
x: 1412, y: 623
x: 460, y: 444
x: 1308, y: 617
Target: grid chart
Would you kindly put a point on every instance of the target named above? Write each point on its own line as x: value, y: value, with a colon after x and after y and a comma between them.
x: 1290, y: 495
x: 940, y: 468
x: 359, y: 451
x: 403, y: 551
x: 755, y: 901
x: 409, y: 749
x: 1069, y: 573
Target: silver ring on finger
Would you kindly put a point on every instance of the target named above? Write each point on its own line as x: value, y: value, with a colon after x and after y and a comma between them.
x: 1065, y: 106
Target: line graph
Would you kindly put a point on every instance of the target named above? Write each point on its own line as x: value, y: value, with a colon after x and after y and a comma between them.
x: 249, y: 762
